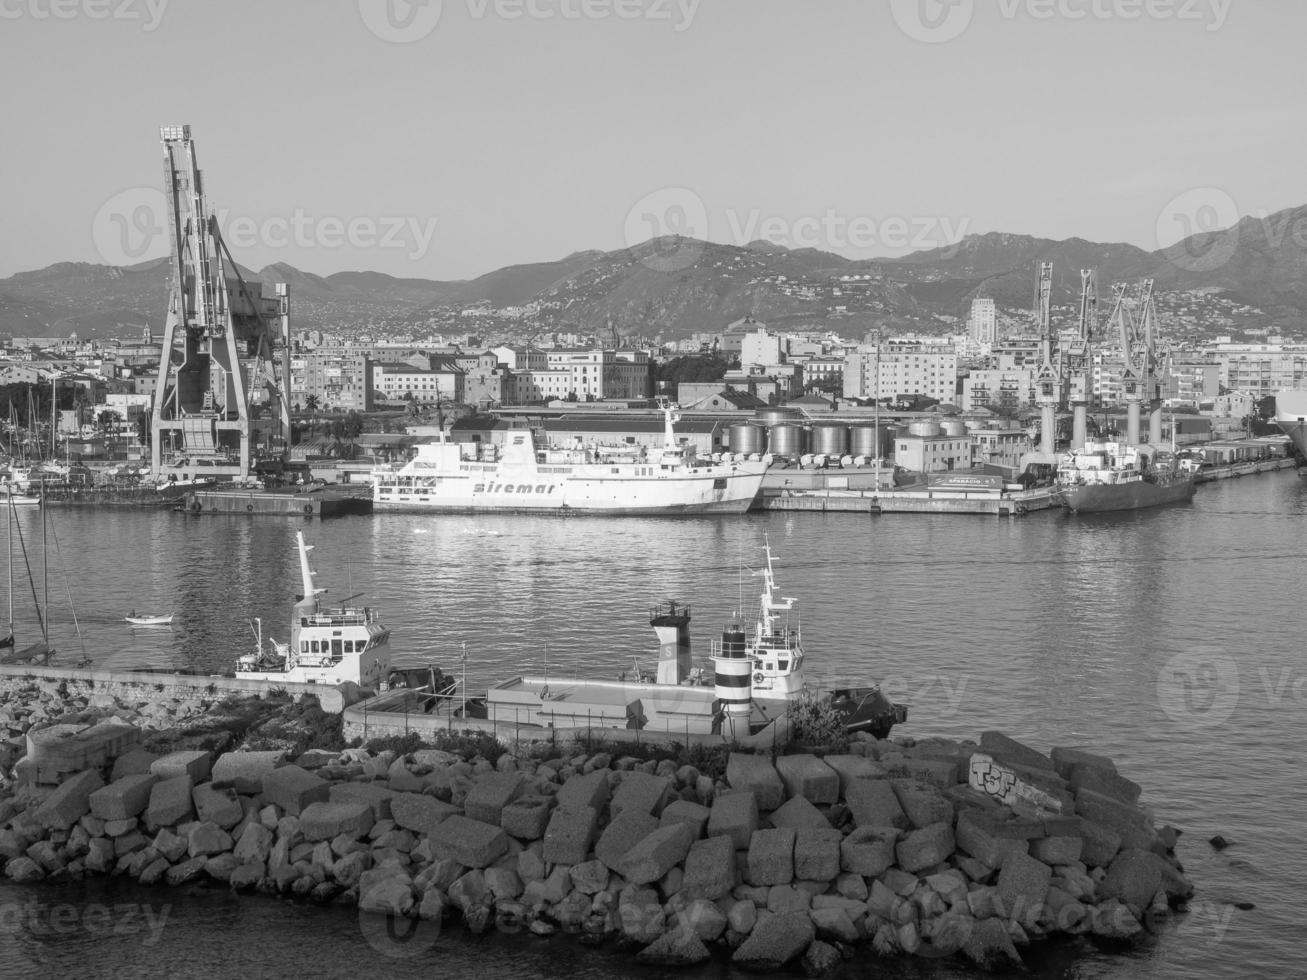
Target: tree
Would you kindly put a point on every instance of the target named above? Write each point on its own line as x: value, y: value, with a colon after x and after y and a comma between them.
x: 143, y: 429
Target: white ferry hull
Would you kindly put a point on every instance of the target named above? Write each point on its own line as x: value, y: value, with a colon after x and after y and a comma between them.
x: 1291, y: 417
x: 712, y: 492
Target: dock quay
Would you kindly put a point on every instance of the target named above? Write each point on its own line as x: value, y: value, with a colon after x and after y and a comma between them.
x: 334, y: 502
x: 1245, y: 468
x: 909, y: 501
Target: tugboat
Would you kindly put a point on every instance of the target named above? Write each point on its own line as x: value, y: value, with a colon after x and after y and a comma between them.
x: 328, y: 645
x: 757, y: 675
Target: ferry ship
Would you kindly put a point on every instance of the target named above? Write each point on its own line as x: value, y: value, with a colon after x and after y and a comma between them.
x: 1107, y: 476
x: 1291, y: 417
x: 328, y: 645
x: 524, y: 477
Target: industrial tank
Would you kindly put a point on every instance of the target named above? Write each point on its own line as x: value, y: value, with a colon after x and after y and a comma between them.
x: 831, y: 438
x: 786, y: 439
x: 864, y: 441
x: 925, y: 429
x: 775, y: 416
x: 954, y: 427
x: 746, y: 437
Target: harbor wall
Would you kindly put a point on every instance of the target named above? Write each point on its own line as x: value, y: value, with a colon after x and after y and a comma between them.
x: 145, y: 685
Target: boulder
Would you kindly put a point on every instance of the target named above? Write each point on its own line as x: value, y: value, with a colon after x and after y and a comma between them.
x: 771, y: 857
x: 922, y: 803
x: 124, y: 798
x: 527, y: 818
x: 834, y: 923
x: 710, y: 869
x: 704, y: 918
x: 1009, y: 751
x: 1105, y: 781
x: 926, y: 847
x: 1133, y: 878
x: 734, y: 815
x: 872, y: 803
x: 819, y: 959
x: 990, y: 947
x: 590, y: 789
x: 981, y: 837
x: 473, y: 843
x: 624, y: 832
x: 756, y: 774
x: 1064, y: 758
x: 1098, y: 844
x: 785, y: 938
x: 219, y: 806
x: 386, y: 890
x: 817, y: 853
x: 69, y: 802
x: 798, y: 812
x: 196, y: 764
x: 679, y: 947
x: 419, y: 813
x: 1022, y: 887
x: 651, y: 858
x: 244, y: 771
x: 868, y: 851
x: 1057, y: 850
x: 851, y: 767
x: 374, y: 794
x: 205, y: 839
x: 807, y: 776
x: 132, y: 763
x: 641, y: 791
x: 490, y: 794
x: 293, y: 788
x: 571, y: 831
x: 170, y: 802
x: 589, y: 877
x: 325, y: 821
x: 254, y: 844
x: 694, y: 815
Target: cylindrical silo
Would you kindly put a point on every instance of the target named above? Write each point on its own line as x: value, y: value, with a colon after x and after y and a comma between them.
x: 868, y: 439
x: 831, y: 438
x: 954, y: 427
x: 925, y: 429
x: 746, y: 437
x: 786, y: 439
x: 775, y: 416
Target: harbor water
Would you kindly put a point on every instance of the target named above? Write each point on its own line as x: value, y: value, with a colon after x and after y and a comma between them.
x: 1168, y: 639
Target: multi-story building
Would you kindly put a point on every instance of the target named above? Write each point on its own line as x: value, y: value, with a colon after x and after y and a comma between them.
x: 999, y: 447
x: 338, y: 378
x: 932, y: 454
x: 424, y: 385
x: 982, y: 325
x: 591, y: 374
x: 1261, y: 369
x: 900, y: 368
x: 1004, y: 392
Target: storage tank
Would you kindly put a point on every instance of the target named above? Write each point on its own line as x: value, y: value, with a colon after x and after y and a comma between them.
x: 786, y: 439
x: 746, y: 437
x: 925, y: 429
x: 954, y: 427
x: 775, y: 416
x: 864, y: 441
x: 831, y: 438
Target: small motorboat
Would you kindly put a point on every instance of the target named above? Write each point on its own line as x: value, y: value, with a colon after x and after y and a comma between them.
x: 144, y: 619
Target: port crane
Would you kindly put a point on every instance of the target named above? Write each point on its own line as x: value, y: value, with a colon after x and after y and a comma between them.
x: 1078, y: 362
x: 1139, y: 378
x: 221, y: 393
x: 1048, y: 380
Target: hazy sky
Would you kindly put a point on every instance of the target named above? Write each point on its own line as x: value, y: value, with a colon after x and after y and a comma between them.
x: 446, y: 139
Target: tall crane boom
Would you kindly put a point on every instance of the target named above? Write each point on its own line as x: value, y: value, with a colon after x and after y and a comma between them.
x: 220, y: 398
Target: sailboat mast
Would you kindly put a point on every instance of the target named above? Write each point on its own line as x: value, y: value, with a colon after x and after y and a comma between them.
x: 9, y: 546
x: 45, y: 574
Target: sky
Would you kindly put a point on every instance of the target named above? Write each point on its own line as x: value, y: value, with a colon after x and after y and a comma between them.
x: 447, y: 138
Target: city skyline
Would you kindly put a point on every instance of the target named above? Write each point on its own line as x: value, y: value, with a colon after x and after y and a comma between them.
x: 443, y: 141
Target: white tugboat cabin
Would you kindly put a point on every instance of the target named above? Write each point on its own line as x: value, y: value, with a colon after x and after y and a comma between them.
x: 328, y: 645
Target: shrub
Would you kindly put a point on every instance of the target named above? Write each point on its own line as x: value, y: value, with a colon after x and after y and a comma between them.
x: 815, y: 722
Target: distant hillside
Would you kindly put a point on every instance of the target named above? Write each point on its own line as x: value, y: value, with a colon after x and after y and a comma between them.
x: 672, y: 287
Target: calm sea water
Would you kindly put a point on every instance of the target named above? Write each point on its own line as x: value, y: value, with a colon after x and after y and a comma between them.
x: 1171, y: 640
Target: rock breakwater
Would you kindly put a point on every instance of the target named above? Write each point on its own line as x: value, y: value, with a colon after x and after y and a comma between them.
x: 928, y: 848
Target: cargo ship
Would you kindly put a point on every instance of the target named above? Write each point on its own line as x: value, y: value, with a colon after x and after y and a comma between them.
x: 1291, y: 417
x: 1107, y: 476
x: 524, y: 477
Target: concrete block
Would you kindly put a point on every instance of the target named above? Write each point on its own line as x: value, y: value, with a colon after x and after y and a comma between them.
x: 756, y: 774
x: 420, y: 813
x: 1064, y: 758
x: 922, y: 803
x: 925, y: 848
x: 170, y: 802
x: 124, y: 798
x: 807, y: 776
x: 981, y: 838
x: 326, y: 820
x: 641, y: 791
x: 69, y: 802
x: 490, y: 794
x: 872, y: 803
x: 1099, y: 845
x: 571, y: 830
x: 771, y: 857
x: 817, y: 853
x: 219, y: 806
x: 625, y: 830
x: 196, y: 764
x: 527, y: 818
x: 694, y: 815
x: 589, y: 789
x: 797, y: 812
x: 244, y: 771
x: 472, y: 843
x: 1022, y: 886
x: 785, y: 937
x: 1105, y: 781
x: 651, y: 858
x: 1008, y: 751
x: 851, y: 767
x: 293, y: 788
x: 132, y: 763
x: 869, y: 851
x: 734, y: 814
x: 373, y: 794
x: 934, y: 771
x: 1057, y: 850
x: 709, y: 869
x: 1127, y: 822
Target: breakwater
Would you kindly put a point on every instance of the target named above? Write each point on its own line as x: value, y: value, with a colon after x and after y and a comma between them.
x: 927, y: 848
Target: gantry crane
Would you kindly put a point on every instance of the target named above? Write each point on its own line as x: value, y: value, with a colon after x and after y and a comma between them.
x: 1139, y: 379
x: 1048, y: 382
x: 220, y: 398
x: 1077, y: 363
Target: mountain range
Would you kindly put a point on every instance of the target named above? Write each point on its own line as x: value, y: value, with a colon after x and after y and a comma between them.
x: 672, y: 287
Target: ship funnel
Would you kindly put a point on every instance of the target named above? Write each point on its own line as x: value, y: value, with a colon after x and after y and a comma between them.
x: 671, y: 621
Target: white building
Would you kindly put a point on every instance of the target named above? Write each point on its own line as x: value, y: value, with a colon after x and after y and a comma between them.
x: 897, y: 369
x: 982, y: 326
